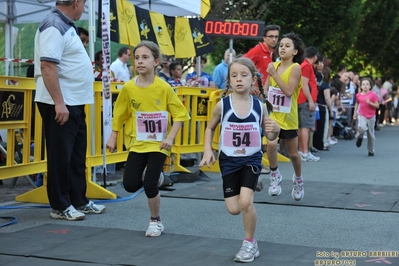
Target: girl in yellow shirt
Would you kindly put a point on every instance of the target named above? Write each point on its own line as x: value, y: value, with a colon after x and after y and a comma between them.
x: 145, y: 107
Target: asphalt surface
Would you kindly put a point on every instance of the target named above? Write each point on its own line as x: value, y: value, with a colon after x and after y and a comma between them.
x: 342, y: 229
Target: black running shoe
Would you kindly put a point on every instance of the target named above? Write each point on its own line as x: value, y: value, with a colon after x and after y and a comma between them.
x: 359, y: 142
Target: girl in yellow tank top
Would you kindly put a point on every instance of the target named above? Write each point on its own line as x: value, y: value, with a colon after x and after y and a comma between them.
x: 286, y: 117
x: 283, y: 85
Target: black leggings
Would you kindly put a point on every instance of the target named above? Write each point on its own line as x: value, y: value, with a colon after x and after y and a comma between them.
x: 318, y: 142
x: 135, y: 165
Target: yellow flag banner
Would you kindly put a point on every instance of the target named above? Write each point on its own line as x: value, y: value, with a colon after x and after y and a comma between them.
x: 184, y: 46
x: 127, y: 21
x: 178, y: 36
x: 161, y: 33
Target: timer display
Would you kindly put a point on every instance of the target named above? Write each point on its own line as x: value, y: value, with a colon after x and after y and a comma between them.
x: 242, y: 29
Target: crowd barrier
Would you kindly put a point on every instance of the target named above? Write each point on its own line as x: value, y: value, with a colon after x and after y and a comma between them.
x: 21, y: 125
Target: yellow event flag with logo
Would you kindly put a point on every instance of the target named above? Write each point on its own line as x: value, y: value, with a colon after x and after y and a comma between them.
x: 128, y: 27
x: 184, y: 46
x: 161, y: 33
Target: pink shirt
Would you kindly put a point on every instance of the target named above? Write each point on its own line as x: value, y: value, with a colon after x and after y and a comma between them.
x: 384, y: 95
x: 366, y: 109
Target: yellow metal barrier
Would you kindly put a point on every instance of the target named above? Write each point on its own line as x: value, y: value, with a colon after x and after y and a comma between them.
x: 16, y: 98
x: 16, y: 103
x: 191, y: 136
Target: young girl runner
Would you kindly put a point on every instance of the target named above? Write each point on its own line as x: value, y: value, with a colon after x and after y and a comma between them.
x: 242, y: 119
x: 366, y: 104
x: 283, y: 85
x: 145, y: 107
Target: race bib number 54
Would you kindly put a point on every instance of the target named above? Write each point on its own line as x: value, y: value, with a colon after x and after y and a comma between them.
x: 241, y: 139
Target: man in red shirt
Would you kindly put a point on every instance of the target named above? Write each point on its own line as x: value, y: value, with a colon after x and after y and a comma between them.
x: 262, y: 53
x: 306, y: 104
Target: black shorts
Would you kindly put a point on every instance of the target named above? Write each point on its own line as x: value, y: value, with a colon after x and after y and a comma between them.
x: 288, y: 134
x: 245, y: 177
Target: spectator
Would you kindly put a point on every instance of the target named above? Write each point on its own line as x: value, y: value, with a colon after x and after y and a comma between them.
x: 205, y: 80
x: 395, y: 102
x: 306, y: 104
x: 64, y: 85
x: 119, y: 68
x: 175, y: 69
x: 376, y: 89
x: 388, y: 100
x: 98, y: 65
x: 164, y: 73
x: 262, y: 53
x: 341, y: 71
x: 220, y: 71
x: 324, y: 103
x: 354, y: 89
x: 83, y: 34
x: 335, y: 87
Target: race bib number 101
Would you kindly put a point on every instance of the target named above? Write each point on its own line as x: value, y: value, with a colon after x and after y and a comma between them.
x: 151, y: 126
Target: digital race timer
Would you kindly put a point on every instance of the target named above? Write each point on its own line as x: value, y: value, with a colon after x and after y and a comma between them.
x: 242, y: 29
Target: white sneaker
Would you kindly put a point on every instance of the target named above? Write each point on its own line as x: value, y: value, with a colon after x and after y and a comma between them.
x: 298, y: 191
x: 248, y: 252
x: 155, y: 228
x: 91, y: 208
x: 275, y: 181
x: 161, y: 179
x: 70, y: 214
x: 331, y: 142
x: 334, y: 138
x: 309, y: 157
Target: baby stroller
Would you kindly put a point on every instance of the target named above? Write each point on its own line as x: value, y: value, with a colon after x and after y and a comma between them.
x: 342, y: 129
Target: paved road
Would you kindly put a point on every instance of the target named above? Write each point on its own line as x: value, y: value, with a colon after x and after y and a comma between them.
x: 283, y: 224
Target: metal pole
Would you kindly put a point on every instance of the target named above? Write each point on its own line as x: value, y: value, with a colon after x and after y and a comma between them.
x: 10, y: 45
x: 231, y: 50
x: 92, y: 28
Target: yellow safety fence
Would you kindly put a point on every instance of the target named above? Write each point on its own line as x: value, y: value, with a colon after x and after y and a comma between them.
x: 22, y: 125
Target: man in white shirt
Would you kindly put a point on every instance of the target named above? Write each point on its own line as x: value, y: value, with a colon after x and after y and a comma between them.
x: 64, y: 85
x: 119, y: 69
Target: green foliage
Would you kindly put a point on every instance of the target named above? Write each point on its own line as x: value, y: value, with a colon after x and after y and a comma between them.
x: 359, y: 33
x: 24, y: 48
x: 377, y: 39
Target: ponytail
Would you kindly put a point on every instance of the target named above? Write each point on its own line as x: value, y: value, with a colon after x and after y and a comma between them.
x: 226, y: 89
x: 269, y: 106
